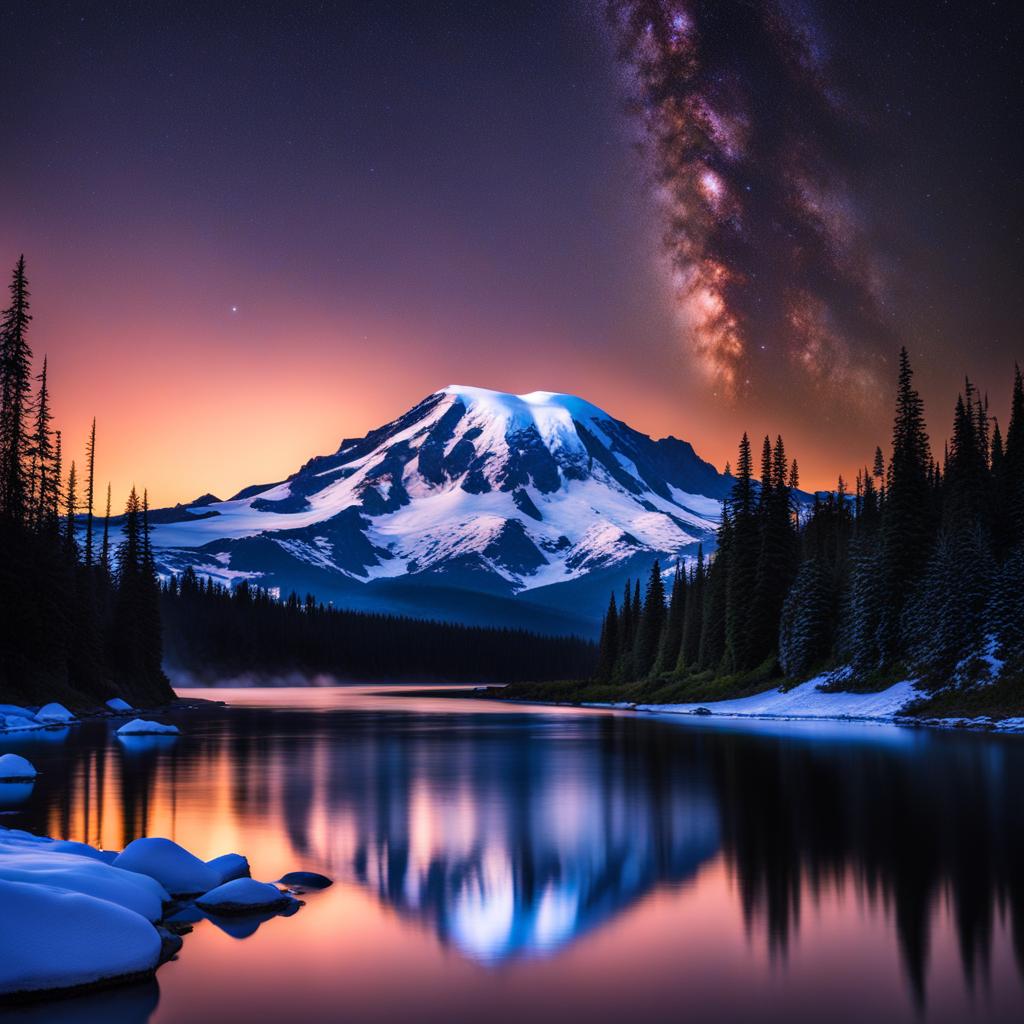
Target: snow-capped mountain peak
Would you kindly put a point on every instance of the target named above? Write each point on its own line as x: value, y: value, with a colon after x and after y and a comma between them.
x: 471, y: 489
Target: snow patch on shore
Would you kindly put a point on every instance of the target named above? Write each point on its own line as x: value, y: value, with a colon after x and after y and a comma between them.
x: 804, y: 701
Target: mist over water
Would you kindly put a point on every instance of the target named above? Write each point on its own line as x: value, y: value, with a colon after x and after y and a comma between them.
x: 517, y: 862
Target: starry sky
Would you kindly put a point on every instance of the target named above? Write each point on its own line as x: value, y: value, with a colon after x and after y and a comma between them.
x: 254, y: 228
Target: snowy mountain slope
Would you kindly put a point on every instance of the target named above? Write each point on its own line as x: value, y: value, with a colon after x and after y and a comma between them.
x: 470, y: 491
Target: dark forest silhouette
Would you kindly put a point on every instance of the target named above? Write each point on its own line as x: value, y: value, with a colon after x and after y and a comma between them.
x: 920, y: 572
x: 213, y: 632
x: 78, y: 625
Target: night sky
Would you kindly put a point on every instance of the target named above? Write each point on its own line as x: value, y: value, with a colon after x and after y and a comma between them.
x: 252, y: 229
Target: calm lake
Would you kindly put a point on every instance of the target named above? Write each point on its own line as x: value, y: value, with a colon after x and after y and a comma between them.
x: 511, y: 863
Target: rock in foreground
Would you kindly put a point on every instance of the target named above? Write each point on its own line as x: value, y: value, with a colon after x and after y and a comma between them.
x: 52, y: 939
x: 229, y: 867
x: 244, y: 896
x: 54, y: 714
x: 305, y: 880
x: 181, y: 873
x: 140, y: 727
x: 15, y: 768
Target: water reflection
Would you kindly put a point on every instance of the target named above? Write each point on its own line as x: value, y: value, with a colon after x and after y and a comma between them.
x: 509, y: 835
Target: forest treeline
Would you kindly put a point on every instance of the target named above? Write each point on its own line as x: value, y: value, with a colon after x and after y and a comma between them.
x: 918, y: 573
x: 212, y: 632
x: 80, y: 621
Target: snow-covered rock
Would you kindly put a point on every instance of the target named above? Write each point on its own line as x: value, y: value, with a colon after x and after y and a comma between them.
x: 54, y: 714
x: 75, y: 873
x: 51, y: 938
x: 69, y: 917
x: 16, y: 711
x: 242, y: 896
x: 141, y: 727
x: 116, y: 704
x: 15, y: 768
x: 305, y: 880
x: 16, y: 723
x: 178, y: 871
x: 42, y: 861
x: 229, y: 866
x: 83, y: 850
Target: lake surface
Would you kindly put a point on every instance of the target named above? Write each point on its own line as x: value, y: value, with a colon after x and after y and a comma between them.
x: 511, y: 863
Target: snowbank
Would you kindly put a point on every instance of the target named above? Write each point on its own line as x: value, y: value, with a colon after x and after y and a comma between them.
x: 55, y: 939
x: 51, y: 714
x: 15, y: 768
x: 178, y: 871
x: 140, y: 727
x: 803, y: 701
x: 244, y: 896
x: 116, y: 704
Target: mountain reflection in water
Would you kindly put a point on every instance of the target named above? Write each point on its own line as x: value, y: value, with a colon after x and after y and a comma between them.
x: 509, y: 834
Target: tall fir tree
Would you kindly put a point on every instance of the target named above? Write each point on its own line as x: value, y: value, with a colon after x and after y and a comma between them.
x: 672, y: 631
x: 42, y: 452
x: 90, y: 492
x: 15, y: 398
x: 105, y: 544
x: 689, y: 648
x: 908, y: 514
x: 652, y: 620
x: 608, y: 647
x: 744, y: 550
x: 70, y: 511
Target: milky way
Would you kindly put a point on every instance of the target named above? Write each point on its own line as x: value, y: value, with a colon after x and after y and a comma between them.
x: 754, y: 146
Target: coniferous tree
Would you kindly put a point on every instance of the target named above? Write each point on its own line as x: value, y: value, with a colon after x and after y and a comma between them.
x: 124, y: 646
x: 744, y: 548
x: 624, y: 664
x: 907, y: 519
x: 804, y: 621
x: 945, y: 618
x: 1012, y: 484
x: 672, y: 631
x: 689, y: 649
x: 608, y: 648
x: 42, y: 453
x: 15, y: 397
x: 70, y: 511
x: 151, y: 639
x: 776, y: 563
x: 711, y: 653
x: 105, y: 546
x: 1007, y: 614
x: 652, y: 620
x: 90, y: 492
x: 53, y: 512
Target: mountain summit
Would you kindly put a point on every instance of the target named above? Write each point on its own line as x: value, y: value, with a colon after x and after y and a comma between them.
x: 474, y: 504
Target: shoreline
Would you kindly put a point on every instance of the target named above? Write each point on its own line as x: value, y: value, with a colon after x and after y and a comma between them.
x: 802, y: 703
x: 97, y: 714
